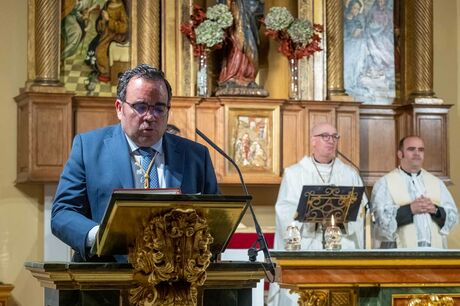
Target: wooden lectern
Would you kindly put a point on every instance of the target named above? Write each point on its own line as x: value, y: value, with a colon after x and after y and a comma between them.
x: 173, y: 243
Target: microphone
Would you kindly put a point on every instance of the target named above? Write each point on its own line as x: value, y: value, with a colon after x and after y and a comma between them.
x: 252, y: 252
x: 368, y: 204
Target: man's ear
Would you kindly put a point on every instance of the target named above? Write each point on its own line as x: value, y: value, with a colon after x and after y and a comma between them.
x: 400, y: 154
x: 118, y: 106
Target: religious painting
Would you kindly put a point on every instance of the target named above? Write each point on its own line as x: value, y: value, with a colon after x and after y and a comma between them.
x: 370, y: 50
x: 253, y: 138
x: 95, y: 45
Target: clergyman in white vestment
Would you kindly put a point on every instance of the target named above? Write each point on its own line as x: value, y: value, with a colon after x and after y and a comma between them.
x: 412, y: 207
x: 320, y: 168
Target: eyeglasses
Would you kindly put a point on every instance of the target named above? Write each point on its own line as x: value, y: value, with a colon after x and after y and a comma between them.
x: 327, y: 137
x: 159, y: 109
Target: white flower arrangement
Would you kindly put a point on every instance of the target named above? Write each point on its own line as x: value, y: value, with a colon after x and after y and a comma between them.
x: 209, y: 33
x: 206, y: 30
x: 220, y: 14
x: 278, y: 18
x: 297, y: 37
x: 301, y: 31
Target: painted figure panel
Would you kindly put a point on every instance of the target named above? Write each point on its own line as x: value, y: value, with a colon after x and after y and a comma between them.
x: 369, y: 50
x: 95, y: 46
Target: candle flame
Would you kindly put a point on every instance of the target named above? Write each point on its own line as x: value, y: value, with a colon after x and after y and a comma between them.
x: 332, y: 220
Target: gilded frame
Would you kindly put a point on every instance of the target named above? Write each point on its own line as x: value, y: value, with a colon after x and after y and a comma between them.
x: 253, y: 141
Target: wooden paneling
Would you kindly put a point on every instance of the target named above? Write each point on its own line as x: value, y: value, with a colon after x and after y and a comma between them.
x: 52, y: 117
x: 430, y: 128
x: 5, y: 292
x: 377, y: 142
x: 430, y: 122
x: 293, y: 135
x: 369, y: 133
x: 347, y: 124
x: 90, y: 113
x: 317, y: 112
x: 433, y: 129
x: 23, y: 138
x: 210, y: 120
x: 182, y: 115
x: 300, y: 117
x: 44, y: 132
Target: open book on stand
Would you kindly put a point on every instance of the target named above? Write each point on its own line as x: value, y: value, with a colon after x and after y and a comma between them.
x: 318, y: 203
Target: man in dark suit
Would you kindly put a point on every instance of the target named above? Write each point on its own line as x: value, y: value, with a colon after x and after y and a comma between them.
x: 136, y: 153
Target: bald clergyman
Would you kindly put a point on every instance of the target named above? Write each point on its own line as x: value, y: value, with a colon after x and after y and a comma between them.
x: 320, y: 168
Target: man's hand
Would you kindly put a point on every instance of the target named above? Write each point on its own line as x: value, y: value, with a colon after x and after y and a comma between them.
x: 422, y: 205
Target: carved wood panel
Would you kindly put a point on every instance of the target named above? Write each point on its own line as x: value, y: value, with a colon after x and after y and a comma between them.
x: 377, y: 142
x: 210, y: 120
x: 90, y: 114
x: 293, y: 139
x: 347, y: 123
x: 182, y: 115
x: 47, y: 123
x: 44, y: 135
x: 430, y: 122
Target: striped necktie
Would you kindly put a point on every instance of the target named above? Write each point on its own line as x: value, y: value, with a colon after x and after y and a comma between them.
x: 147, y: 155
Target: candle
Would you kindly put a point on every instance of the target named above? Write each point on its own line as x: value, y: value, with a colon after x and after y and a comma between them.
x: 332, y: 236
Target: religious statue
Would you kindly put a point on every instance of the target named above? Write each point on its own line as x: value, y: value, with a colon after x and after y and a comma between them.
x: 241, y: 55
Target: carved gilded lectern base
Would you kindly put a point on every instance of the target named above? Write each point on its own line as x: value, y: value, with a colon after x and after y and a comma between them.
x: 170, y: 258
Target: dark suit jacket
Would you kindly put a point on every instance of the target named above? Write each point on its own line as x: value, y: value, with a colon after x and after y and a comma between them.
x: 100, y: 162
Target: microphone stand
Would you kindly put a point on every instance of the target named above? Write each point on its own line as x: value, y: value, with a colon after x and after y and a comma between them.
x: 368, y: 204
x: 252, y: 252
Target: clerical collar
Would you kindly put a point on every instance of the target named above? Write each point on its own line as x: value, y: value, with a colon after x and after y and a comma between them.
x: 320, y: 163
x: 324, y: 167
x: 410, y: 174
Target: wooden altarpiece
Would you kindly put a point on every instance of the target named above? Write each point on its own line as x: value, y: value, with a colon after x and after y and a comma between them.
x: 48, y: 116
